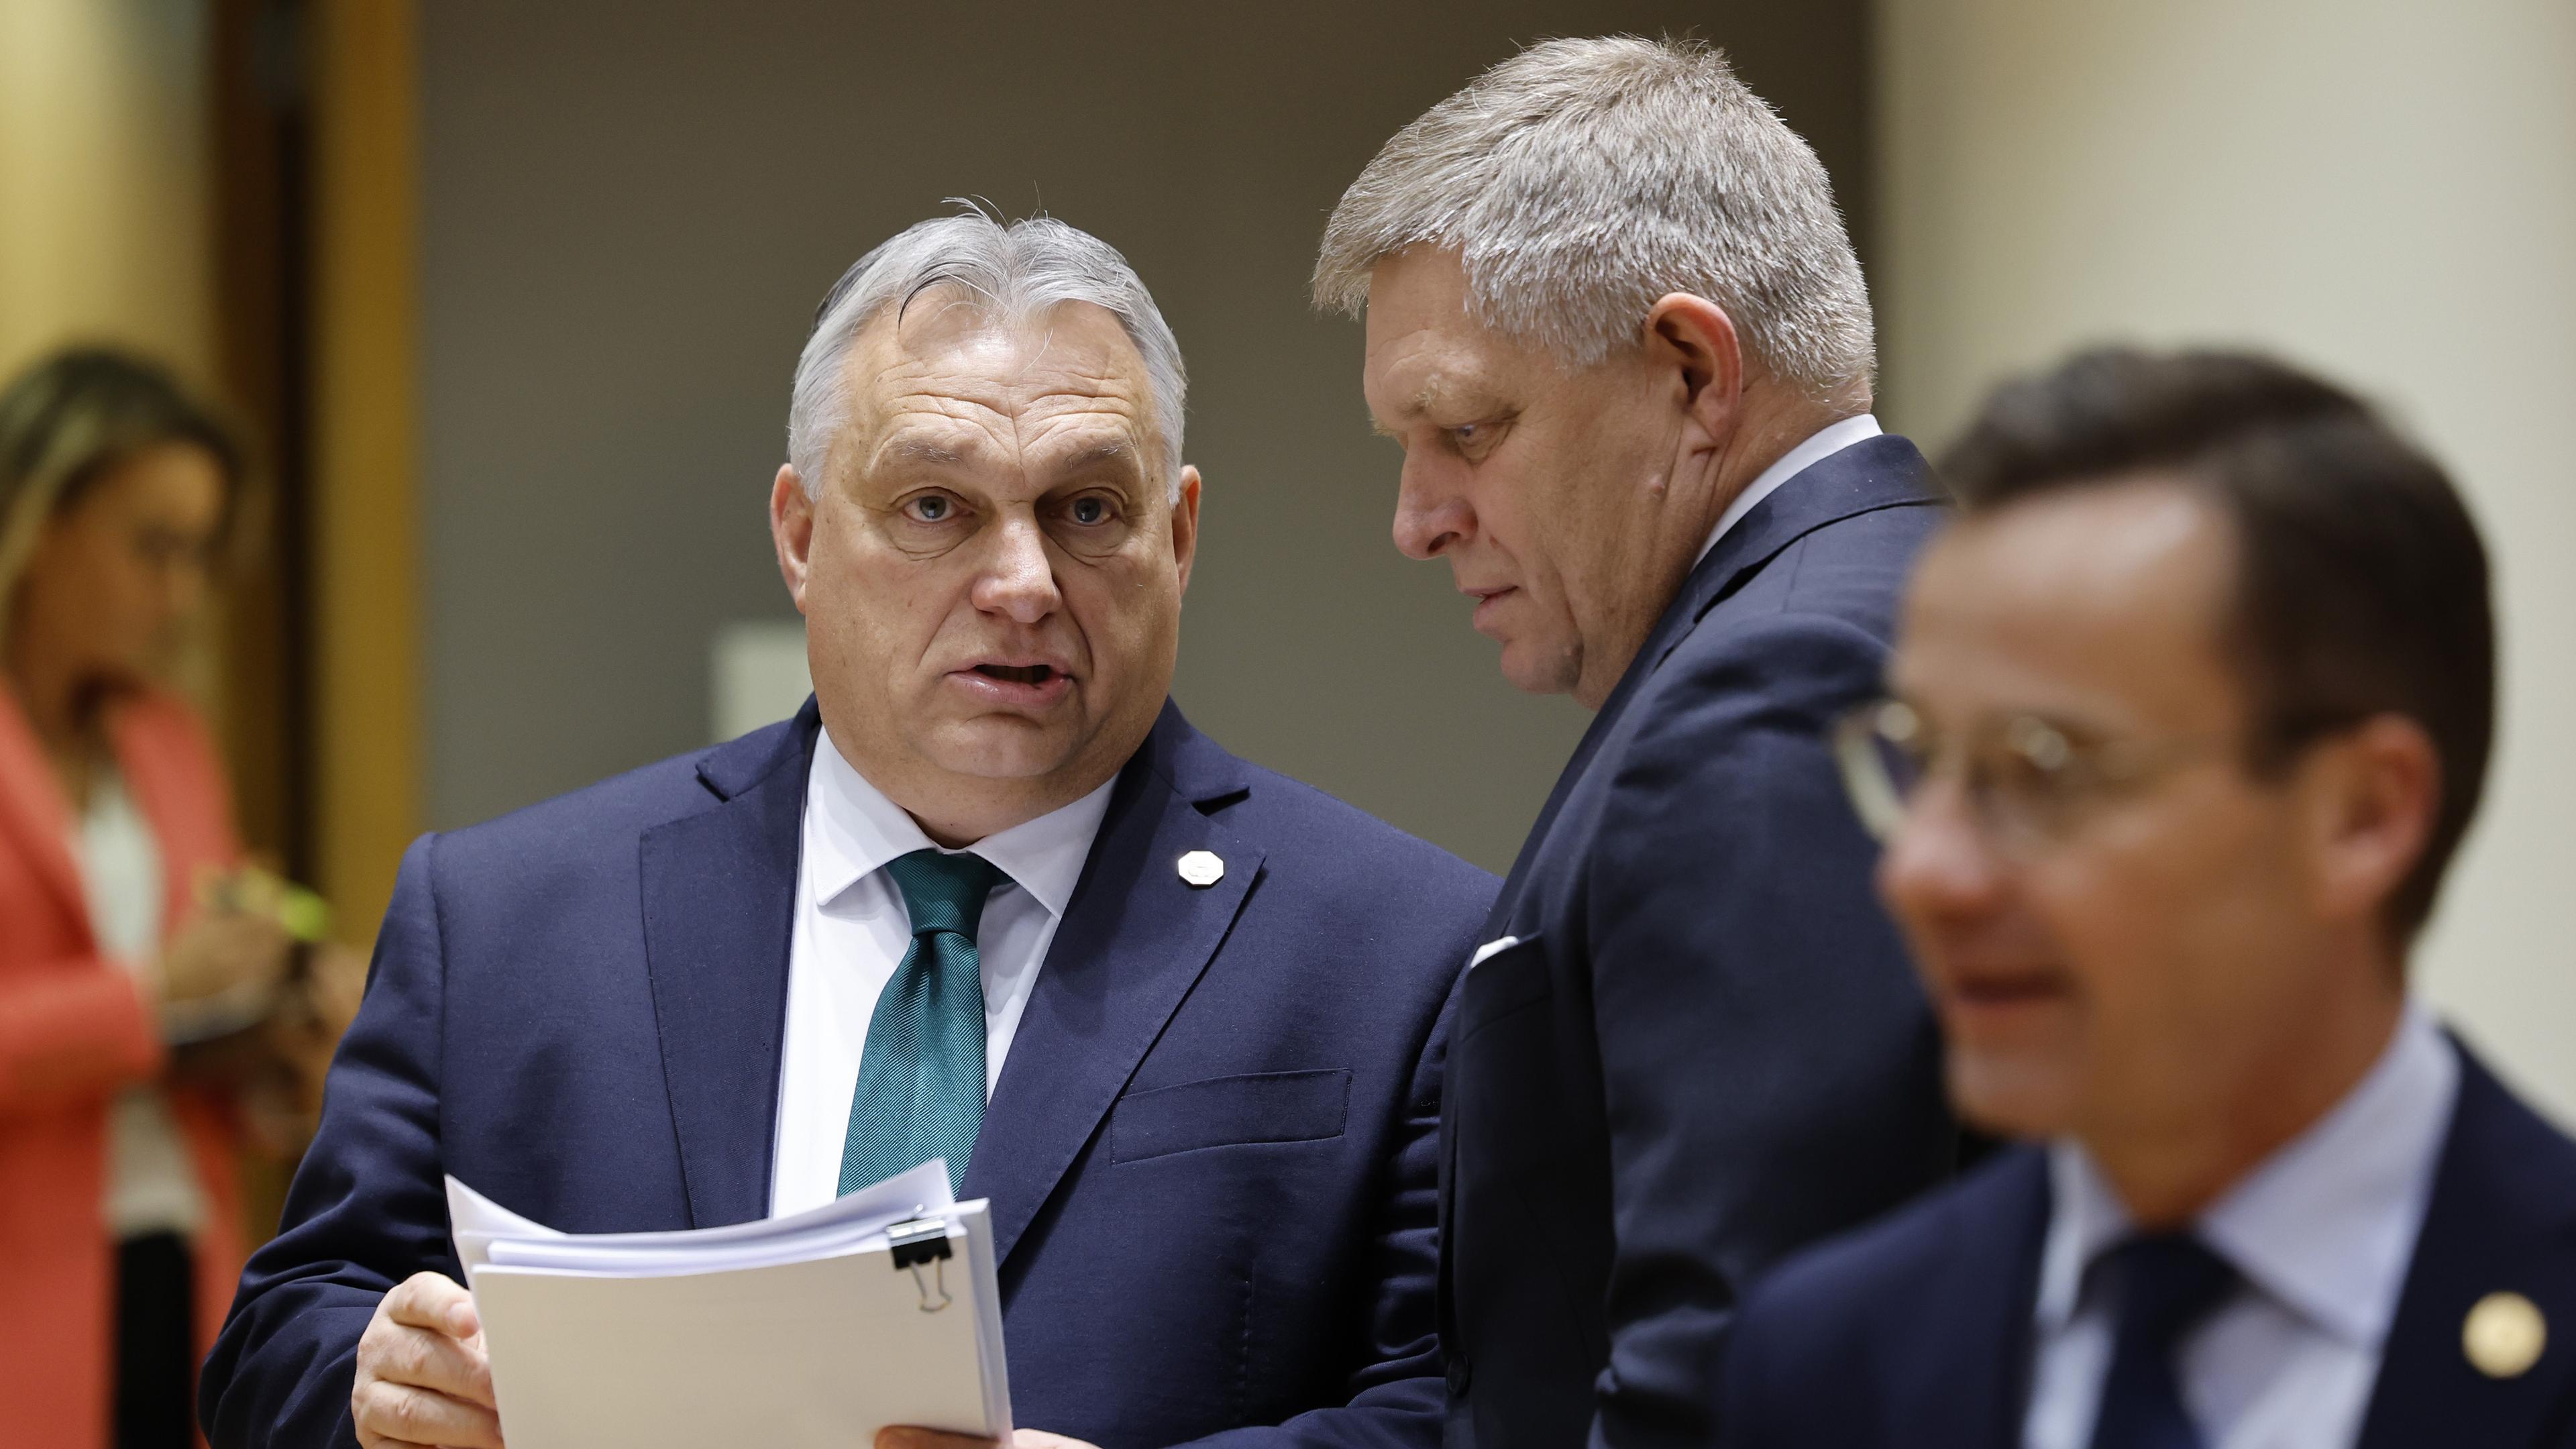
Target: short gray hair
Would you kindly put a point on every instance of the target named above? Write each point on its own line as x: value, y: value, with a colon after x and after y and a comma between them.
x: 1012, y: 273
x: 1582, y: 180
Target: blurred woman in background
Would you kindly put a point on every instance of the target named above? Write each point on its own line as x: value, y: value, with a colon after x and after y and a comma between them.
x: 121, y: 927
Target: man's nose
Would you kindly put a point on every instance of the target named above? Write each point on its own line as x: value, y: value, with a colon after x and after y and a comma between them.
x: 1939, y: 864
x: 1018, y: 579
x: 1431, y: 511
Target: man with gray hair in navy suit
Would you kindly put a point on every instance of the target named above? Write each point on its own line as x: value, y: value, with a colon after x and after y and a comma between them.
x: 988, y: 897
x: 1617, y: 327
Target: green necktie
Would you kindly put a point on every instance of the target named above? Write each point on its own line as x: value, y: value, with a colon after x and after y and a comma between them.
x: 921, y: 1075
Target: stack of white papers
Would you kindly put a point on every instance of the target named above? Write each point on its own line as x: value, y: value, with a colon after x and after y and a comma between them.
x: 817, y: 1330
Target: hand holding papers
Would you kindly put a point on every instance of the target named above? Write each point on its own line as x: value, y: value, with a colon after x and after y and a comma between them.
x: 883, y: 1308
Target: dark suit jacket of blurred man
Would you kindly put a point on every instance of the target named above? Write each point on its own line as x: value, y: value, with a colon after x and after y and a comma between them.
x: 1211, y: 1151
x: 1707, y: 1047
x: 1917, y: 1332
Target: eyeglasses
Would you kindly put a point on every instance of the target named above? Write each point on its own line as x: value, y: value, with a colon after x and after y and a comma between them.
x: 2030, y: 784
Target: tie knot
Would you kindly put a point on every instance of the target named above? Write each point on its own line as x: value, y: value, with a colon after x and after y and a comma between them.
x: 2168, y: 1282
x: 943, y: 892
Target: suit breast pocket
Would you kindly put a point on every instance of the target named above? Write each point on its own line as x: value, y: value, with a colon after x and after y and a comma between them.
x: 1509, y: 981
x: 1228, y: 1112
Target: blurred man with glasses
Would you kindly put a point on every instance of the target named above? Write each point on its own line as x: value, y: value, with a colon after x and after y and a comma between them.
x: 2188, y: 714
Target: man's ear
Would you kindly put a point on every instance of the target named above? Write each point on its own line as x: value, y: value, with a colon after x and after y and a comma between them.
x: 791, y: 530
x: 1185, y: 526
x: 1691, y: 342
x: 2377, y: 799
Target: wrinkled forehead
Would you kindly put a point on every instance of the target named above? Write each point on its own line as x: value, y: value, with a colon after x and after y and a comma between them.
x: 948, y: 379
x: 1428, y: 355
x: 2110, y: 601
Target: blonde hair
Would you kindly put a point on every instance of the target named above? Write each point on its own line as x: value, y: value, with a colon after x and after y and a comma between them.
x: 73, y: 417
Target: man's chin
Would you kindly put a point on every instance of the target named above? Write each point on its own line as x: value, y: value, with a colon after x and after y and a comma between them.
x: 1534, y: 670
x: 1002, y: 747
x: 2010, y: 1094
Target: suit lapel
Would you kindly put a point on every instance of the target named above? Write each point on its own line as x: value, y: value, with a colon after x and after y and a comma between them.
x: 1956, y: 1347
x: 1134, y: 940
x: 719, y: 894
x: 32, y: 807
x: 1881, y: 472
x: 2502, y: 1220
x: 1997, y: 1284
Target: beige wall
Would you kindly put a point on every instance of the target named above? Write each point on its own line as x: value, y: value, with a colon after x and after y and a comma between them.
x: 2381, y: 188
x: 106, y: 195
x: 103, y: 179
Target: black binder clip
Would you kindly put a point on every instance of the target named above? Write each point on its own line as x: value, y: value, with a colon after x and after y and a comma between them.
x: 923, y: 1240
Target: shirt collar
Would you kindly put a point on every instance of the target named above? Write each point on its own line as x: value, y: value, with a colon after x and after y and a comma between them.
x: 852, y: 829
x: 1823, y: 444
x: 2084, y: 1218
x: 2326, y: 1224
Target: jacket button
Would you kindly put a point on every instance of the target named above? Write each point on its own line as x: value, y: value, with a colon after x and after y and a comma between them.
x: 1461, y: 1371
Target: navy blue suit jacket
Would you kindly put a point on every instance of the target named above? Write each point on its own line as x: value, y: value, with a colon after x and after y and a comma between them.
x: 1211, y: 1152
x: 1708, y: 1047
x: 1915, y: 1333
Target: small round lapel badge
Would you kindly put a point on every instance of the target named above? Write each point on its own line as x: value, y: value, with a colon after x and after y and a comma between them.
x: 1202, y: 868
x: 2504, y: 1335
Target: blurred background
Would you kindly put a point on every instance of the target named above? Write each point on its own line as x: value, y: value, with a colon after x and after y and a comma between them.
x: 506, y: 297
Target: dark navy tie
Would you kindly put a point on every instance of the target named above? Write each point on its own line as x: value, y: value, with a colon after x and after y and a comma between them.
x: 921, y: 1074
x: 2167, y: 1284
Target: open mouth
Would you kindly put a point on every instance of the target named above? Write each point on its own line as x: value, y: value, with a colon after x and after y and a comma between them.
x: 1989, y: 993
x: 1018, y: 673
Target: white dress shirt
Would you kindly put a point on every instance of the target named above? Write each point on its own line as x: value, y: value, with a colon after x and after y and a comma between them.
x: 851, y: 934
x: 2321, y: 1234
x: 151, y: 1180
x: 1832, y: 438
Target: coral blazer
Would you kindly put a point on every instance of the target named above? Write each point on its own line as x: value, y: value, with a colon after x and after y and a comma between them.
x: 74, y: 1031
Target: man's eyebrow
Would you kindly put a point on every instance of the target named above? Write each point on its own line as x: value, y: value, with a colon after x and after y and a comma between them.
x: 922, y: 451
x: 1414, y: 407
x: 1465, y: 394
x: 1113, y: 450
